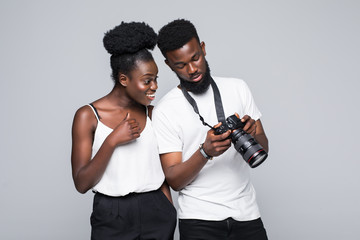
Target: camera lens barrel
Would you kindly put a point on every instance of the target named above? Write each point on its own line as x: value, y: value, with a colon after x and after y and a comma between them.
x: 252, y: 152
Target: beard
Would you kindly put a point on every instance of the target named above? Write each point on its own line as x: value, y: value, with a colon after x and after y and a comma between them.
x: 197, y: 87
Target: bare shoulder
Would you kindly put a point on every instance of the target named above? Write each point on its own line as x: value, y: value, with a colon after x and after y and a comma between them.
x: 85, y: 117
x: 84, y: 113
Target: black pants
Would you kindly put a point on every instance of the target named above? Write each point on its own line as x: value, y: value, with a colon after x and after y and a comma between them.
x: 191, y: 229
x: 135, y: 216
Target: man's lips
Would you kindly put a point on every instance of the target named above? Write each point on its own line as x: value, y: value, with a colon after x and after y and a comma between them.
x: 196, y: 78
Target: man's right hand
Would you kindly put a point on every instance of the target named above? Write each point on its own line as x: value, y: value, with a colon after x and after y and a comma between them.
x: 180, y: 173
x: 216, y: 145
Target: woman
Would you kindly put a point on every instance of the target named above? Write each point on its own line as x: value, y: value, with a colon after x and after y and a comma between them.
x: 114, y: 152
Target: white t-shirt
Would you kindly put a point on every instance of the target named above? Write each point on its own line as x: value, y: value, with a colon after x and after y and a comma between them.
x: 222, y: 188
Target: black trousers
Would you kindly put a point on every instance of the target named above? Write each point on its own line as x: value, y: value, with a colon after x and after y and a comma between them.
x: 147, y: 215
x: 191, y: 229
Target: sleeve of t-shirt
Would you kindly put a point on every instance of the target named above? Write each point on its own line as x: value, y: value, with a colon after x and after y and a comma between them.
x: 167, y: 132
x: 249, y: 107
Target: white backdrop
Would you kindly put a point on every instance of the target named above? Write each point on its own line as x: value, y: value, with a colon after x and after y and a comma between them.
x: 300, y: 59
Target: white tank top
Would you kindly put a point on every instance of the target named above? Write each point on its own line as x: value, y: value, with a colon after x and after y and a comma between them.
x: 133, y: 167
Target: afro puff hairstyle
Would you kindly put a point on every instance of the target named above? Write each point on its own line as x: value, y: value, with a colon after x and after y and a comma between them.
x: 176, y: 34
x: 128, y: 43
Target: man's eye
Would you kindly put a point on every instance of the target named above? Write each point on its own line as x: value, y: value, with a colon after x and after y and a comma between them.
x: 180, y: 66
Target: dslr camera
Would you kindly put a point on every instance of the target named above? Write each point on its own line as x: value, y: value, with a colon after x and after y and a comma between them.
x: 251, y: 151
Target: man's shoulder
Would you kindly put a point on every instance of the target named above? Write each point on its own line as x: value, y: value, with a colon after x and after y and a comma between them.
x: 169, y: 99
x: 229, y: 82
x: 172, y: 95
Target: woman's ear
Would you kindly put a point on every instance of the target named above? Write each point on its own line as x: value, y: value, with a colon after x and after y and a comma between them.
x: 123, y: 80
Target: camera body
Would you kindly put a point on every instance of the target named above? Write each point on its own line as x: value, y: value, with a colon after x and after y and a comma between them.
x: 251, y: 151
x: 231, y: 123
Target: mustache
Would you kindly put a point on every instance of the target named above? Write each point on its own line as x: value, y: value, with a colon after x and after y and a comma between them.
x: 199, y: 87
x: 194, y: 75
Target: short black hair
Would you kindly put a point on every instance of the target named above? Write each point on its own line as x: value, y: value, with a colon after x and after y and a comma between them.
x: 176, y: 34
x: 128, y: 43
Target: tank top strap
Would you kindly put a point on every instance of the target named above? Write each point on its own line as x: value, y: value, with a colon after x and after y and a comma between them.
x: 95, y: 111
x: 149, y: 110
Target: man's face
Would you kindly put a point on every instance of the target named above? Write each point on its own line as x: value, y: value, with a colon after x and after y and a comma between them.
x: 188, y: 62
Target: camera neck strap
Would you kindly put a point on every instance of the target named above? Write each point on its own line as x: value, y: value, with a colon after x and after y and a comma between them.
x: 217, y: 99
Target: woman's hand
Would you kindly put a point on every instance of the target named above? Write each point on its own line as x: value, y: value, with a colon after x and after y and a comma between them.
x: 125, y: 132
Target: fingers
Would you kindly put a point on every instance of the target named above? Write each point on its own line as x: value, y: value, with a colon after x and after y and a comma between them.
x: 215, y: 145
x: 222, y: 145
x: 225, y: 135
x: 215, y: 148
x: 217, y: 125
x: 221, y: 136
x: 132, y: 126
x: 253, y: 132
x: 250, y: 126
x: 136, y: 135
x: 245, y: 118
x: 126, y: 117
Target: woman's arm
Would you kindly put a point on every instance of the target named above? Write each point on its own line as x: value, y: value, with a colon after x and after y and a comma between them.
x: 87, y: 172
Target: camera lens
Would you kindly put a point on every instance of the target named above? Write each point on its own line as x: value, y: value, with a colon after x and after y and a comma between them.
x: 257, y: 158
x: 252, y: 152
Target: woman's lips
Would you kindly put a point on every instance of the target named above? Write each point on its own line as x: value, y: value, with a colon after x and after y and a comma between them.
x: 151, y: 96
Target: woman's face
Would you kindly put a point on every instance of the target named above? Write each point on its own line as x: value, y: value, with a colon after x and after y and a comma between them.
x: 142, y: 83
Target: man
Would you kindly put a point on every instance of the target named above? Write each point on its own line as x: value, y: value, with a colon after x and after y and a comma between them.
x: 216, y: 198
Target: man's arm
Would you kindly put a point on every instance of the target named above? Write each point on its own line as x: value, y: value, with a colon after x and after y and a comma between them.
x: 260, y: 135
x: 179, y: 174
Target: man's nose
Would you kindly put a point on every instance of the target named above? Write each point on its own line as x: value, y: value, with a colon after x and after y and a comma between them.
x: 192, y: 68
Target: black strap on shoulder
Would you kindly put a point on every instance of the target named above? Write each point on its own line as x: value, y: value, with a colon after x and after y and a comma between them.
x: 218, y: 103
x: 149, y: 110
x: 96, y: 112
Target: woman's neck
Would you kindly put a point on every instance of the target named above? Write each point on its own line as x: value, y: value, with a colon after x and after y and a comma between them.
x: 119, y: 98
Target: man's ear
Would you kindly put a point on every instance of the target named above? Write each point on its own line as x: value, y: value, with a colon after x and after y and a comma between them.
x: 167, y: 63
x: 202, y: 45
x: 123, y: 80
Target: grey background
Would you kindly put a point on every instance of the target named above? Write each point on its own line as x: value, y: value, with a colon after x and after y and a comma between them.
x: 300, y: 59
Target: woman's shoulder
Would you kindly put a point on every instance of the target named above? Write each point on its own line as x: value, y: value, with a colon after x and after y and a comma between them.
x: 84, y: 111
x: 85, y: 116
